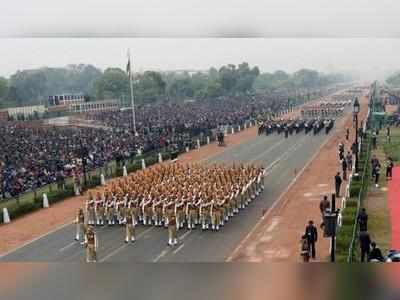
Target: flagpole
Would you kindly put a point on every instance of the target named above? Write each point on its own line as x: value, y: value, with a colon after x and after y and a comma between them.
x: 132, y: 98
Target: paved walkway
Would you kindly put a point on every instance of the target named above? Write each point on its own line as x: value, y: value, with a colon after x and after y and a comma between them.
x: 276, y: 237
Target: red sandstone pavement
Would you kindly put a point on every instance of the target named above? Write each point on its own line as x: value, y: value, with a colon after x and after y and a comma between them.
x: 41, y: 222
x: 276, y: 238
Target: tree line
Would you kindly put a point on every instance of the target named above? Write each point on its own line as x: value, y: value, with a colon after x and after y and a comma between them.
x: 394, y: 80
x: 30, y: 87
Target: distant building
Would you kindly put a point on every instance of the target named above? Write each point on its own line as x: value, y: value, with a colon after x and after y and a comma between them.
x: 3, y: 115
x: 95, y: 106
x: 84, y: 107
x: 66, y: 99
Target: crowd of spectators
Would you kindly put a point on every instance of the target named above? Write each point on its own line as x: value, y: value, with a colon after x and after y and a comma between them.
x: 34, y: 155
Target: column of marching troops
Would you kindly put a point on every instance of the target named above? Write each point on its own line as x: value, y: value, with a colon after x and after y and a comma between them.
x: 170, y: 195
x: 289, y: 127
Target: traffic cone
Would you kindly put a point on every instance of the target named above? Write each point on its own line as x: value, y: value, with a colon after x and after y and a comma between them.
x: 6, y: 216
x: 45, y: 201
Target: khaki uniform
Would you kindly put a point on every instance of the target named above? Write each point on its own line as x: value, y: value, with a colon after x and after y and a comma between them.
x: 169, y: 212
x: 204, y: 216
x: 80, y: 226
x: 158, y: 214
x: 111, y: 214
x: 192, y: 216
x: 100, y: 213
x: 172, y: 237
x: 91, y: 246
x: 91, y: 213
x: 147, y: 213
x: 130, y: 235
x: 215, y: 217
x: 121, y: 213
x: 180, y: 217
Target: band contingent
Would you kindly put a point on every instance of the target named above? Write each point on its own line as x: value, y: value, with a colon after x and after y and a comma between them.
x: 172, y: 196
x: 295, y: 126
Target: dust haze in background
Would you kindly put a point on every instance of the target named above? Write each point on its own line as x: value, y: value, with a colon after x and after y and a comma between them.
x: 367, y: 58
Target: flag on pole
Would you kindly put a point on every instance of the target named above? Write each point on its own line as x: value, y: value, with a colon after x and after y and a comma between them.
x: 128, y: 66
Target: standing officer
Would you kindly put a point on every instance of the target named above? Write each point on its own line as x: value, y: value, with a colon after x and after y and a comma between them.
x: 324, y: 205
x: 130, y: 229
x: 338, y: 183
x: 349, y: 160
x: 362, y: 219
x: 91, y: 245
x: 80, y: 225
x: 312, y: 237
x: 365, y: 245
x: 344, y: 168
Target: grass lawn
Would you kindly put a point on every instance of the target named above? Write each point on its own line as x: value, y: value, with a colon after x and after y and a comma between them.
x: 376, y: 201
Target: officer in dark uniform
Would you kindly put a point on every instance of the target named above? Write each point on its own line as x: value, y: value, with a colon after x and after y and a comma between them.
x: 312, y: 237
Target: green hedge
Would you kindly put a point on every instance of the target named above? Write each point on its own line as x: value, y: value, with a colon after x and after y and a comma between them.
x: 355, y: 189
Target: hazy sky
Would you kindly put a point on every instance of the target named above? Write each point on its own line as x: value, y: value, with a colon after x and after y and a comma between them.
x: 194, y: 18
x: 287, y: 34
x: 371, y: 57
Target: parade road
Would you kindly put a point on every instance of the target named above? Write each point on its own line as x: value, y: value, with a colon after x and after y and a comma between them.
x: 280, y: 156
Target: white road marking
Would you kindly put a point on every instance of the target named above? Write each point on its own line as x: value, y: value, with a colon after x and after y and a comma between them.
x: 35, y: 239
x: 166, y: 250
x: 161, y: 255
x: 267, y: 151
x: 125, y: 245
x: 69, y: 245
x: 236, y: 250
x: 178, y: 249
x: 184, y: 235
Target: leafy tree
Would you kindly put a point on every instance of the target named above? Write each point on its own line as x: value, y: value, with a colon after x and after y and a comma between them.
x: 112, y: 84
x: 3, y: 87
x: 394, y: 79
x: 149, y: 87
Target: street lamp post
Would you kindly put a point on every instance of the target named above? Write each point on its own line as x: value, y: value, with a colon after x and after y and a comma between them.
x: 84, y: 155
x: 356, y: 110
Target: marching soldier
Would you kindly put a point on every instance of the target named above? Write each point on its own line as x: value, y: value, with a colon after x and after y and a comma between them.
x: 215, y: 213
x: 111, y: 212
x: 147, y: 211
x: 168, y: 211
x: 80, y: 225
x: 91, y: 244
x: 179, y: 207
x: 100, y: 210
x: 157, y: 212
x: 172, y: 225
x: 91, y: 210
x: 204, y: 215
x: 191, y: 214
x: 130, y: 235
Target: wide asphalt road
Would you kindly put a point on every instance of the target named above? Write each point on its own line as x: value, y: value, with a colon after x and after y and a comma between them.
x: 279, y: 155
